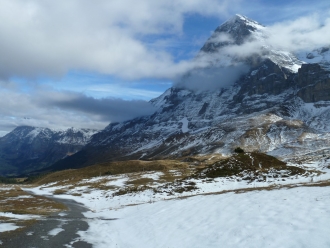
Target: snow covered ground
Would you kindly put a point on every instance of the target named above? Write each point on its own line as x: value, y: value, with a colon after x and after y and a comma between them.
x: 287, y: 217
x: 297, y: 217
x: 213, y: 215
x: 222, y: 212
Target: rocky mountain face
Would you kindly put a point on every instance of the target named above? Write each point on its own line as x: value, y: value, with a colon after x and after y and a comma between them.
x: 280, y: 106
x: 30, y: 148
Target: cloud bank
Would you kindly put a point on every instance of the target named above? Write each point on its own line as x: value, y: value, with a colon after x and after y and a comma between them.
x: 44, y: 37
x: 212, y: 78
x: 46, y: 107
x: 108, y: 109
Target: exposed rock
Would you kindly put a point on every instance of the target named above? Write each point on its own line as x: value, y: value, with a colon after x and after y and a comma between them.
x: 313, y: 83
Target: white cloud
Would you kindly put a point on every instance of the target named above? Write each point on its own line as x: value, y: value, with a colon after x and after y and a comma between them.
x: 222, y: 37
x: 121, y: 91
x: 46, y: 107
x: 308, y: 32
x: 212, y: 78
x: 44, y: 37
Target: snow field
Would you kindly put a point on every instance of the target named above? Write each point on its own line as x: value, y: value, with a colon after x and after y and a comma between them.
x: 295, y: 217
x: 208, y: 216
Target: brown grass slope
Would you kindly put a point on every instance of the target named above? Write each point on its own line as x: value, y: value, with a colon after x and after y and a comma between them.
x: 111, y: 168
x: 249, y: 166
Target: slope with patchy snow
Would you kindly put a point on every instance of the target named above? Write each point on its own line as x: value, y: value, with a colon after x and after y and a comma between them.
x: 224, y: 212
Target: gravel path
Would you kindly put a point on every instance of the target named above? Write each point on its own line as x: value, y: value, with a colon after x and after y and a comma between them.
x: 57, y: 230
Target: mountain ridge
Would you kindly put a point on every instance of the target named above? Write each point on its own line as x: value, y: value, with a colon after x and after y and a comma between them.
x: 29, y: 148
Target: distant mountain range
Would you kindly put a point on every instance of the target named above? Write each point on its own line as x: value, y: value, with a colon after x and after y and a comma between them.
x: 279, y: 103
x: 27, y: 149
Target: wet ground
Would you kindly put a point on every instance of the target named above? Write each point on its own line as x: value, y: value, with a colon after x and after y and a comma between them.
x: 57, y: 230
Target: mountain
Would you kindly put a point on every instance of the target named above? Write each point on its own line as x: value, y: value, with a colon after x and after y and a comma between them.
x: 241, y: 39
x: 278, y: 104
x: 31, y: 148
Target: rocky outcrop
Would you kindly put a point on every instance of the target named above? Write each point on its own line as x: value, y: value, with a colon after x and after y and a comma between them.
x: 267, y: 78
x: 313, y: 83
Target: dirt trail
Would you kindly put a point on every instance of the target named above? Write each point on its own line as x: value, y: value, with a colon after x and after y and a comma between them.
x: 57, y: 230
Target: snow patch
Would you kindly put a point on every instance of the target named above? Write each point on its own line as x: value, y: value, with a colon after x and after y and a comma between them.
x: 19, y: 216
x: 5, y: 227
x: 185, y: 123
x: 55, y: 231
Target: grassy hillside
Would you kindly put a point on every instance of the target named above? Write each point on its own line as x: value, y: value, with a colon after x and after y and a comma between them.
x: 249, y: 166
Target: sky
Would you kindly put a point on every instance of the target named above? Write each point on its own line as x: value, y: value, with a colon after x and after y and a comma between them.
x: 86, y: 64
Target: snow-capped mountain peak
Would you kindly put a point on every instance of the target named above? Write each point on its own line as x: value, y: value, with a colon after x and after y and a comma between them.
x: 243, y: 40
x: 69, y: 136
x: 234, y: 31
x: 30, y: 148
x: 239, y: 20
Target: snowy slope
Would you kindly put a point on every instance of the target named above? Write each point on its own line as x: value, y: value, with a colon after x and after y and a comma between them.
x: 224, y: 212
x: 282, y: 218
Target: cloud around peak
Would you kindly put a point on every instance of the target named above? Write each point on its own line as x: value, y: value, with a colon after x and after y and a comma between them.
x: 223, y: 60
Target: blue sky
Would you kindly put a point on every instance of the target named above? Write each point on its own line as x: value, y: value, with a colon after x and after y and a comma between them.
x: 57, y: 52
